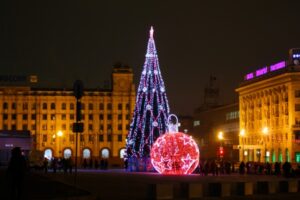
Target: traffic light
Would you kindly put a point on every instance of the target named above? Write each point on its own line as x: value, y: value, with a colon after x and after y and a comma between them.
x: 221, y: 152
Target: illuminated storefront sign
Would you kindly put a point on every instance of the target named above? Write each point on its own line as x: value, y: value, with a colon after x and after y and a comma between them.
x: 265, y: 70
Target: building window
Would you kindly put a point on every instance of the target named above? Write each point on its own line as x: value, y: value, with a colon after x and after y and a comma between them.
x: 90, y: 106
x: 127, y: 127
x: 44, y: 127
x: 44, y: 138
x: 197, y: 123
x: 71, y: 106
x: 72, y: 116
x: 52, y: 116
x: 297, y: 107
x: 120, y: 127
x: 13, y: 106
x: 44, y: 106
x: 14, y: 116
x: 101, y: 127
x: 101, y: 138
x: 5, y: 116
x: 33, y: 127
x: 25, y: 106
x: 33, y: 116
x: 297, y: 93
x: 81, y: 138
x: 91, y: 138
x: 33, y: 106
x: 109, y: 116
x: 71, y: 138
x: 24, y: 117
x: 119, y: 106
x: 64, y: 127
x: 90, y: 127
x: 90, y: 116
x: 127, y: 117
x: 86, y: 153
x: 25, y: 127
x: 101, y: 116
x: 44, y: 116
x: 109, y: 128
x: 127, y: 106
x: 120, y: 138
x: 13, y: 127
x: 119, y: 117
x: 82, y: 106
x: 63, y: 116
x: 5, y: 127
x: 63, y: 106
x: 101, y: 106
x: 52, y: 106
x: 109, y: 106
x: 109, y: 137
x: 5, y: 105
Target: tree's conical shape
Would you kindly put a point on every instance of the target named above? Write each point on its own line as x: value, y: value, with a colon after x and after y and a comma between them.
x: 151, y: 108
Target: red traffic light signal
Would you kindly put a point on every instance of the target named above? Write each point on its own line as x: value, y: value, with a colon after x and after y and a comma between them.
x: 221, y: 152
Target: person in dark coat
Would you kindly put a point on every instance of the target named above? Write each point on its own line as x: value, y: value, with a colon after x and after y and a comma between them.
x: 16, y: 171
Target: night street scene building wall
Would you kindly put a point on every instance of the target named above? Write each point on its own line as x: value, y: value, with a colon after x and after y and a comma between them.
x: 150, y: 114
x: 269, y: 101
x: 48, y: 114
x: 216, y: 131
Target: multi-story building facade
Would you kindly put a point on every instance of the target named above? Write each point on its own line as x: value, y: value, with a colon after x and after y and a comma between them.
x: 269, y: 101
x: 216, y: 131
x: 50, y: 113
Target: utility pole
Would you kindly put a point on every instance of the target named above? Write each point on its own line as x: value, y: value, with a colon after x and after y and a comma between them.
x: 77, y: 126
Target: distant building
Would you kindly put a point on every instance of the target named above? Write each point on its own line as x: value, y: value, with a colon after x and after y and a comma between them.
x: 269, y: 101
x: 207, y: 126
x: 12, y: 139
x: 48, y: 114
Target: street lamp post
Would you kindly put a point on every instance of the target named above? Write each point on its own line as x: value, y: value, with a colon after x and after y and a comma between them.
x: 221, y: 137
x: 265, y: 132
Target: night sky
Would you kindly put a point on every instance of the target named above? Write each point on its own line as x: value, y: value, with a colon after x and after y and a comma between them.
x: 61, y: 41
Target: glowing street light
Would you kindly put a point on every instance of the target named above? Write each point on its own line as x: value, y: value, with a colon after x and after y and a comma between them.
x: 220, y: 135
x: 59, y: 134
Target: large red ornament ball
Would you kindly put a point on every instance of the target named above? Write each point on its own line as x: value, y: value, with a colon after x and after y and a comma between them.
x: 175, y: 153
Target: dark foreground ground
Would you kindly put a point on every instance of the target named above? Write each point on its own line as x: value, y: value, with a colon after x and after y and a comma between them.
x: 118, y: 184
x: 37, y: 187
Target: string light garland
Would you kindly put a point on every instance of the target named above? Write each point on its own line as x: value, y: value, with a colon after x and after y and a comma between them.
x: 150, y: 113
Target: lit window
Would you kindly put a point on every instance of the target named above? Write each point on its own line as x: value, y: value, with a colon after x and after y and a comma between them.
x: 197, y: 123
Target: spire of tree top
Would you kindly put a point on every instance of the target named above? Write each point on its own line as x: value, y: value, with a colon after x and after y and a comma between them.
x: 151, y: 31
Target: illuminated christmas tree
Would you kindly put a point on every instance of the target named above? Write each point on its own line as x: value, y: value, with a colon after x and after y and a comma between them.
x: 150, y: 114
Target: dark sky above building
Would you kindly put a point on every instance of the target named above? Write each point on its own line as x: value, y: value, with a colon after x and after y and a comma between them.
x: 61, y: 41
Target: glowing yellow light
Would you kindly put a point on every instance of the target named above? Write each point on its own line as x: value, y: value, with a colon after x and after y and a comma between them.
x: 242, y: 132
x: 59, y: 133
x: 220, y: 135
x: 265, y: 130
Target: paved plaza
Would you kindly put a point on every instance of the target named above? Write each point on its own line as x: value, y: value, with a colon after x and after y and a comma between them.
x: 118, y: 184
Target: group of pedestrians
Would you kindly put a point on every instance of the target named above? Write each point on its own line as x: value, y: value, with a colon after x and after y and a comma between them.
x: 267, y: 168
x: 215, y: 167
x: 58, y: 164
x: 94, y: 164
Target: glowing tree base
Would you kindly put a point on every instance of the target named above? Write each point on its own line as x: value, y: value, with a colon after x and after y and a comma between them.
x: 175, y: 153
